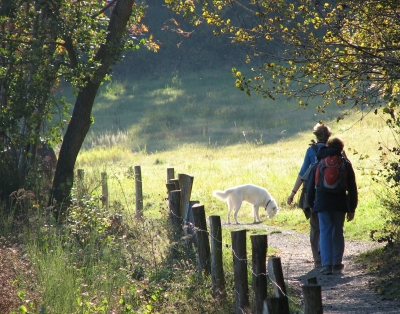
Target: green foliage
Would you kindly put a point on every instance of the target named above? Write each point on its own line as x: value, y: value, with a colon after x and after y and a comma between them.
x: 101, y: 264
x: 183, y: 47
x: 384, y: 261
x: 389, y: 176
x: 335, y: 50
x: 42, y: 45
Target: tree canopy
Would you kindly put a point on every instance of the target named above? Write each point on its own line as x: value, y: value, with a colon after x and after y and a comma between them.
x: 346, y: 52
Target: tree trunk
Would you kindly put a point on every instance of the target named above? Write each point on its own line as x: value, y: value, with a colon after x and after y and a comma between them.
x: 81, y: 116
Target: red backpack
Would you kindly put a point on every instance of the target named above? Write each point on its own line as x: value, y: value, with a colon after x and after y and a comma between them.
x: 331, y: 174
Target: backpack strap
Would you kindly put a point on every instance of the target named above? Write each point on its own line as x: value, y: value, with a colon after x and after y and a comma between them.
x: 314, y: 147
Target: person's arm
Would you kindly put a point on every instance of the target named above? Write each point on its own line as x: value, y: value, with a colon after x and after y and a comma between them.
x: 296, y: 187
x: 353, y: 192
x: 350, y: 216
x: 310, y: 188
x: 299, y: 182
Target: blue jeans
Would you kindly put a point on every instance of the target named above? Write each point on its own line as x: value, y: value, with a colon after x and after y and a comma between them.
x: 314, y: 238
x: 331, y: 237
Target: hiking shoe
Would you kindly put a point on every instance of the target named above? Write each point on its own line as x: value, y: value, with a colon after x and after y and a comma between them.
x: 326, y: 270
x: 338, y: 267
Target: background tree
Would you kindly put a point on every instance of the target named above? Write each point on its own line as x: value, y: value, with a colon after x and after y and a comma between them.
x: 29, y: 72
x: 113, y: 42
x: 43, y: 43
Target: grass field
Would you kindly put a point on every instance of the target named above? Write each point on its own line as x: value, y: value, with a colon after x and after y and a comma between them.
x: 202, y: 126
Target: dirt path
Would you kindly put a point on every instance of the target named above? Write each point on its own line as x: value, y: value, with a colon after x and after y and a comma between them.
x: 349, y: 292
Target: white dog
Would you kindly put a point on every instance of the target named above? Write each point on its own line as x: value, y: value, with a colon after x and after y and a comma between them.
x: 252, y: 194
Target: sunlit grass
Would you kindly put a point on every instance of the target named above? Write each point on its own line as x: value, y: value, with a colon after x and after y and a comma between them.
x: 273, y: 166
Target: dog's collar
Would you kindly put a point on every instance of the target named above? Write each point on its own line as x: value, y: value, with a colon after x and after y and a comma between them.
x: 268, y: 202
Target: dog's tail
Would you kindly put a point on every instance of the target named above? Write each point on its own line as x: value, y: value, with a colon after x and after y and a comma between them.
x: 222, y: 195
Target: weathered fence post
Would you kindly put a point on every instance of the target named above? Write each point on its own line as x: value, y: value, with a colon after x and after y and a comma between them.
x: 104, y: 190
x: 80, y: 187
x: 275, y: 305
x: 170, y: 187
x: 276, y: 275
x: 240, y: 271
x: 217, y: 269
x: 139, y: 192
x: 174, y: 209
x: 176, y: 183
x: 185, y: 184
x: 170, y: 174
x: 259, y: 246
x: 312, y: 299
x: 203, y: 244
x: 189, y: 219
x: 312, y: 280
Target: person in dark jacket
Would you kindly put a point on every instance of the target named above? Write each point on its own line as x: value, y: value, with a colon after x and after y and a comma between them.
x: 332, y: 209
x: 322, y: 133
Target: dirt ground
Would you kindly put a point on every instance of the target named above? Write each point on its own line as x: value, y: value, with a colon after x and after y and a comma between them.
x: 352, y: 291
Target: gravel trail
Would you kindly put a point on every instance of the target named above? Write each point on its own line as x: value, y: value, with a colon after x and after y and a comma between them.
x: 351, y: 291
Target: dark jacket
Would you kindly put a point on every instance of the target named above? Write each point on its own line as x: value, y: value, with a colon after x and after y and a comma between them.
x: 325, y: 201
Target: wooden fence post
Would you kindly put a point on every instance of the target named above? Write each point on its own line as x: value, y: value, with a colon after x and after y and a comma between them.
x: 203, y: 244
x: 170, y: 174
x: 275, y: 305
x: 259, y: 244
x: 104, y: 190
x: 189, y: 219
x: 217, y: 269
x: 240, y: 271
x: 80, y: 187
x: 276, y: 275
x: 185, y: 184
x: 176, y: 183
x: 174, y: 198
x: 170, y: 187
x: 312, y: 299
x: 139, y: 192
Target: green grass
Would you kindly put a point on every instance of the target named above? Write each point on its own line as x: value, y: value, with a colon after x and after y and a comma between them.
x: 273, y: 166
x: 204, y: 107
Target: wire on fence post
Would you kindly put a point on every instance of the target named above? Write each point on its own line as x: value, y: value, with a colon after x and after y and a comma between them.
x: 242, y: 303
x: 217, y: 268
x: 259, y: 244
x: 139, y: 192
x: 104, y: 190
x: 276, y: 275
x: 203, y: 244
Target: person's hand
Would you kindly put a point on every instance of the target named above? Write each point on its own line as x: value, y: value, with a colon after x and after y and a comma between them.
x: 350, y: 216
x: 290, y: 198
